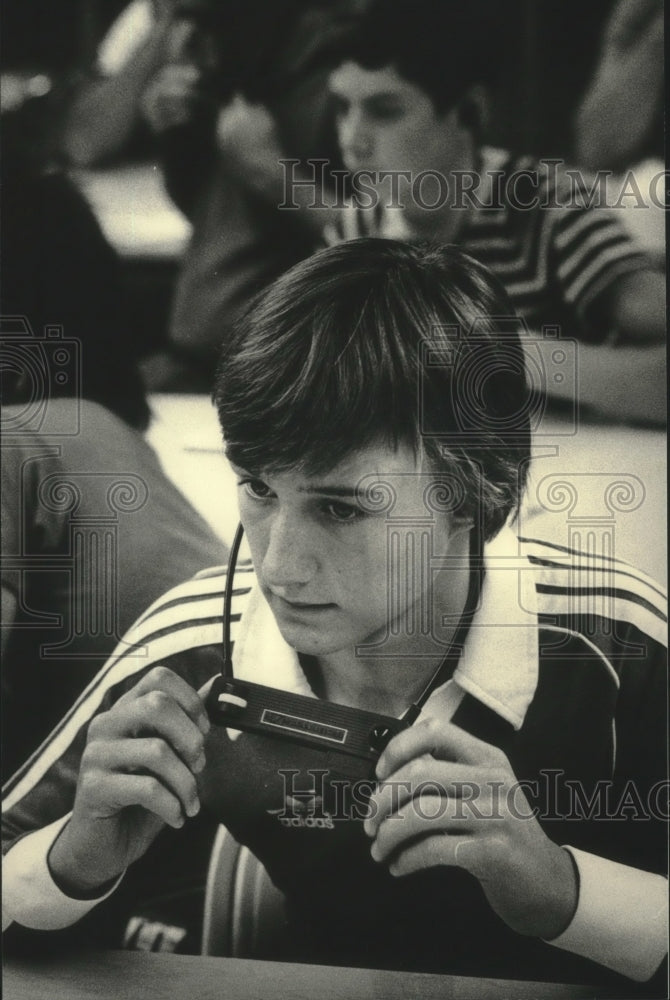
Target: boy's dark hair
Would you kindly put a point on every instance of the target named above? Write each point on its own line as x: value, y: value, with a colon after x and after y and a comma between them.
x: 376, y: 340
x: 444, y: 47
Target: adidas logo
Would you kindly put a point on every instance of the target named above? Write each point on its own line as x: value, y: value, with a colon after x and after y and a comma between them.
x: 299, y: 812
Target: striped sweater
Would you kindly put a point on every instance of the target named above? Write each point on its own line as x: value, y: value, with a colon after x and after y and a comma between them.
x: 555, y: 258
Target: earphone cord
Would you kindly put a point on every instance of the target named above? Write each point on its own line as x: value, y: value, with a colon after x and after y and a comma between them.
x: 453, y: 654
x: 227, y: 665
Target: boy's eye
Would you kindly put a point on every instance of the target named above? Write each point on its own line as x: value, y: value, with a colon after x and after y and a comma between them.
x: 343, y: 512
x: 383, y: 111
x: 256, y: 488
x: 339, y: 104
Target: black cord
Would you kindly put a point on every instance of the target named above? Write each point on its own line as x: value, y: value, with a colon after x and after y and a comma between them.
x: 450, y: 661
x: 227, y: 667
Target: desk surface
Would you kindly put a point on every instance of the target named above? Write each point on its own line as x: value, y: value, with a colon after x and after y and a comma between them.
x: 145, y: 976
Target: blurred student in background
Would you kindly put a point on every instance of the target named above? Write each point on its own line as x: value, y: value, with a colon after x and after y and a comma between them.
x: 618, y: 124
x: 183, y: 62
x: 402, y: 107
x: 411, y: 101
x: 103, y: 119
x: 74, y: 410
x: 92, y: 532
x: 619, y: 121
x: 58, y: 270
x: 273, y: 51
x: 92, y: 529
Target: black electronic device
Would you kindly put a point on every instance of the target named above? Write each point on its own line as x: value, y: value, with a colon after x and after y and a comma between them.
x: 352, y: 739
x: 324, y: 725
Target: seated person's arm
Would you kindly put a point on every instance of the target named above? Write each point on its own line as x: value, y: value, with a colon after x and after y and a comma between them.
x: 616, y: 113
x: 617, y: 384
x: 180, y: 110
x: 248, y: 140
x: 604, y: 274
x: 105, y: 111
x: 633, y: 308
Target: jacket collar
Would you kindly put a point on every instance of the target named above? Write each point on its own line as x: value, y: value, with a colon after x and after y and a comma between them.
x: 499, y: 665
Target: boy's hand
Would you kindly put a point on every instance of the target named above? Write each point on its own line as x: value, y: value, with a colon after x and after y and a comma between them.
x: 138, y: 772
x: 447, y: 798
x: 247, y: 134
x: 173, y: 97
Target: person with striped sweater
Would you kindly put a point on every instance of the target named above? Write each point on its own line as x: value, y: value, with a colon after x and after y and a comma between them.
x: 410, y: 93
x: 410, y: 96
x: 516, y: 829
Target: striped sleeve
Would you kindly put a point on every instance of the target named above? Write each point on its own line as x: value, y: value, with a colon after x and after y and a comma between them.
x: 620, y: 614
x: 581, y: 586
x: 189, y: 617
x: 591, y: 250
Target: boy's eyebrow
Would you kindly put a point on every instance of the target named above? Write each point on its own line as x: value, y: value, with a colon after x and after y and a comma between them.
x: 324, y: 489
x: 332, y: 491
x: 379, y: 95
x: 384, y: 95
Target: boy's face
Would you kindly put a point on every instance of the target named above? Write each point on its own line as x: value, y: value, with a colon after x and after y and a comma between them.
x: 341, y: 562
x: 384, y: 122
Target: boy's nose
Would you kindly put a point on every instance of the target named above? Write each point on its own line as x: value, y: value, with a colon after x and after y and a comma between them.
x: 288, y: 560
x: 355, y: 137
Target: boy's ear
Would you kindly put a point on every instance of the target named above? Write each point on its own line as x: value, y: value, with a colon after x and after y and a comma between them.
x: 473, y: 109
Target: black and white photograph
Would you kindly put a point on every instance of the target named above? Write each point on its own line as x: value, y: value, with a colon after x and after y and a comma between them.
x: 334, y: 500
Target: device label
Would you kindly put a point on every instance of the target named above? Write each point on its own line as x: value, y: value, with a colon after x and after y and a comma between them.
x: 295, y: 724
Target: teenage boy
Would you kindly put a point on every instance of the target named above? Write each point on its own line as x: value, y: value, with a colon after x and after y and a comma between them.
x: 374, y: 405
